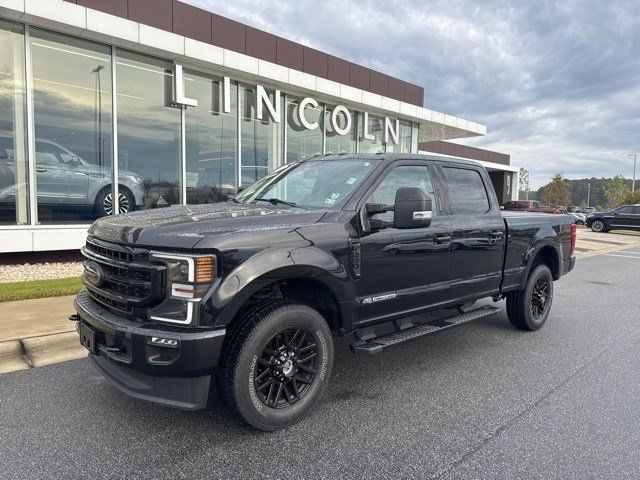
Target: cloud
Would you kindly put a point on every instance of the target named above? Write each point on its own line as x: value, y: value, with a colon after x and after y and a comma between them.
x: 556, y: 83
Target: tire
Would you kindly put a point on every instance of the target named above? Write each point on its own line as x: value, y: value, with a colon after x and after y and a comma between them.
x: 103, y: 201
x: 580, y: 223
x: 598, y: 226
x: 257, y: 353
x: 523, y: 306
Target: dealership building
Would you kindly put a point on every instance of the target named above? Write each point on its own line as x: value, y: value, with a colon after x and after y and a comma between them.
x: 107, y: 106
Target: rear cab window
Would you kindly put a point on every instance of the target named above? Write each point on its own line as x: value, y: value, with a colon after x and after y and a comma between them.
x: 467, y: 191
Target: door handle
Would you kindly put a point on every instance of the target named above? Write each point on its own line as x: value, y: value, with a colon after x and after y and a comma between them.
x: 41, y: 170
x: 497, y: 234
x: 441, y: 239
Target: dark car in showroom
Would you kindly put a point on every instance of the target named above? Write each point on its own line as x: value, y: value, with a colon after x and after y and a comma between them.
x: 626, y: 217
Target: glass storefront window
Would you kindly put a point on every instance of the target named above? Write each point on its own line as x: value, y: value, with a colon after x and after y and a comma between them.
x: 211, y: 141
x: 404, y: 139
x: 261, y: 140
x: 302, y: 142
x: 375, y: 129
x: 336, y: 143
x: 14, y: 186
x: 72, y: 127
x: 148, y: 132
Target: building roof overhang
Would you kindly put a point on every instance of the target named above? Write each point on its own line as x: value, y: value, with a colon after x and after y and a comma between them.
x: 92, y: 24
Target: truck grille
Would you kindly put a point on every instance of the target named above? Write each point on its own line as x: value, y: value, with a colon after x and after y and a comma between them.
x: 122, y: 278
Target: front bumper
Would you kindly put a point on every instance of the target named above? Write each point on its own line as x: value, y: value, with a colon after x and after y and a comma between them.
x: 170, y: 366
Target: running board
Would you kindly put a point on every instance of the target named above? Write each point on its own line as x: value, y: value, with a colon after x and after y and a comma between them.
x: 411, y: 332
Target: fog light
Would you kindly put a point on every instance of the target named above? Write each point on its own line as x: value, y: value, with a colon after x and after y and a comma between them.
x: 163, y: 342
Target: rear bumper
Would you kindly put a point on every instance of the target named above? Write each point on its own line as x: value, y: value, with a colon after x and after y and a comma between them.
x: 168, y: 366
x: 568, y: 265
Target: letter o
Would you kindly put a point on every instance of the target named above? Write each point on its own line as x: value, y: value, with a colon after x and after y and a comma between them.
x: 334, y: 120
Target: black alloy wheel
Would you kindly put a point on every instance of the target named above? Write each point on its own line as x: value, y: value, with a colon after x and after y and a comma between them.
x: 275, y: 363
x: 539, y: 297
x: 529, y: 308
x: 286, y: 368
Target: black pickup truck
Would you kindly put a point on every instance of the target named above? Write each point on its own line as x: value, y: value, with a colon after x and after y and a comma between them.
x: 249, y: 292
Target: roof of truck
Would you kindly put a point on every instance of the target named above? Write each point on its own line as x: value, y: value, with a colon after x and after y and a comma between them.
x: 389, y: 157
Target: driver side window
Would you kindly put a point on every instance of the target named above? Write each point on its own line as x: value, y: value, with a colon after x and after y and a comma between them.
x: 403, y: 176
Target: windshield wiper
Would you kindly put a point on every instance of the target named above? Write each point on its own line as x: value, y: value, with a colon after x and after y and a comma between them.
x: 276, y: 201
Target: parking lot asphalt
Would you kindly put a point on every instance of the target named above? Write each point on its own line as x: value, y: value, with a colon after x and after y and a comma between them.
x: 480, y: 401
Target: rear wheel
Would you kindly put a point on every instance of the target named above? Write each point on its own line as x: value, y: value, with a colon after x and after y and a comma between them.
x: 276, y: 364
x: 528, y: 309
x: 598, y: 226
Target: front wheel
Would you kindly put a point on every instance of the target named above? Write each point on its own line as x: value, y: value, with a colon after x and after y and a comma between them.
x: 276, y: 365
x: 528, y: 309
x: 104, y: 202
x: 598, y: 226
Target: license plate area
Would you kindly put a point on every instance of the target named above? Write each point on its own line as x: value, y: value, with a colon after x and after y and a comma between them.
x: 88, y: 338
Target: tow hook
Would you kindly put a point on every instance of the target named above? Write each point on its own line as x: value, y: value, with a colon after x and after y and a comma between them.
x: 74, y: 318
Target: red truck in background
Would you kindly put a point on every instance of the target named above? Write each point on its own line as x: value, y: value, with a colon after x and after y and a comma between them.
x: 529, y: 206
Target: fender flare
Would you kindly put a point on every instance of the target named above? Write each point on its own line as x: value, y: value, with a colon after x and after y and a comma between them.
x: 269, y: 266
x: 545, y: 237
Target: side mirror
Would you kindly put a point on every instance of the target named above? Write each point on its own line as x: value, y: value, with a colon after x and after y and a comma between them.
x: 74, y: 162
x: 412, y: 208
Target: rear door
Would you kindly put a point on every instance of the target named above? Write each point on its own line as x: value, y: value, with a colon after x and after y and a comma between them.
x: 623, y: 217
x: 635, y: 221
x: 478, y: 231
x: 52, y: 180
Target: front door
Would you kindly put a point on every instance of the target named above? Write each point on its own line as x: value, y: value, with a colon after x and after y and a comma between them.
x: 403, y: 270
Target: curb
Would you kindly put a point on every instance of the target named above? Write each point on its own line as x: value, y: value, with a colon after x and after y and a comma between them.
x: 50, y: 349
x: 39, y: 351
x: 12, y: 357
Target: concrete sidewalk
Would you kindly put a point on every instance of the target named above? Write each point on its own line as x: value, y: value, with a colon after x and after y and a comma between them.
x: 37, y: 332
x: 590, y: 244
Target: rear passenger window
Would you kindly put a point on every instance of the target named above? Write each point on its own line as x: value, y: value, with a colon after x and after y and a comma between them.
x: 466, y: 190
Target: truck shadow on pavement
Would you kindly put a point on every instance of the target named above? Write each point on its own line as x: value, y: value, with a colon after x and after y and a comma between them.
x: 355, y: 379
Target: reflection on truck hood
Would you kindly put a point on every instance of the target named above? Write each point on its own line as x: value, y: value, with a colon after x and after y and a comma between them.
x: 183, y: 227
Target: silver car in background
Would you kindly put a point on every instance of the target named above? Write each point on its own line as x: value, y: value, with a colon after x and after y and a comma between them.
x: 65, y: 180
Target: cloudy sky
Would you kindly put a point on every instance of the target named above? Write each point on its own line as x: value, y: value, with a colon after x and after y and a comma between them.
x: 556, y: 83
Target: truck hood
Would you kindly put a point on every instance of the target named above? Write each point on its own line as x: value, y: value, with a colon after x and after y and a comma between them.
x: 182, y: 227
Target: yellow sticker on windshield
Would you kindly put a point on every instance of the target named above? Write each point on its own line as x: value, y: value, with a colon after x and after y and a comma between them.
x: 351, y: 181
x: 330, y: 201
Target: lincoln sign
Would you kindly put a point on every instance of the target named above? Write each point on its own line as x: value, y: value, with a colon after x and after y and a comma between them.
x: 272, y: 106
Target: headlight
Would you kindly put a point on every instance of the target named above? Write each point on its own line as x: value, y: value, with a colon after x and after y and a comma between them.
x: 189, y: 277
x: 133, y: 178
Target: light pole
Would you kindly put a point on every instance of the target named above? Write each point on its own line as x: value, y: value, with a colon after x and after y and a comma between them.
x: 588, y: 193
x: 635, y: 160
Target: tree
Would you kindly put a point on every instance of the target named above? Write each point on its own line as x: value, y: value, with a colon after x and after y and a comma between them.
x: 615, y: 191
x: 631, y: 198
x: 558, y: 192
x: 525, y: 186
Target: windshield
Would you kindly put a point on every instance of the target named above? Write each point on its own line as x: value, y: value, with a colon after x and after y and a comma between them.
x: 323, y: 184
